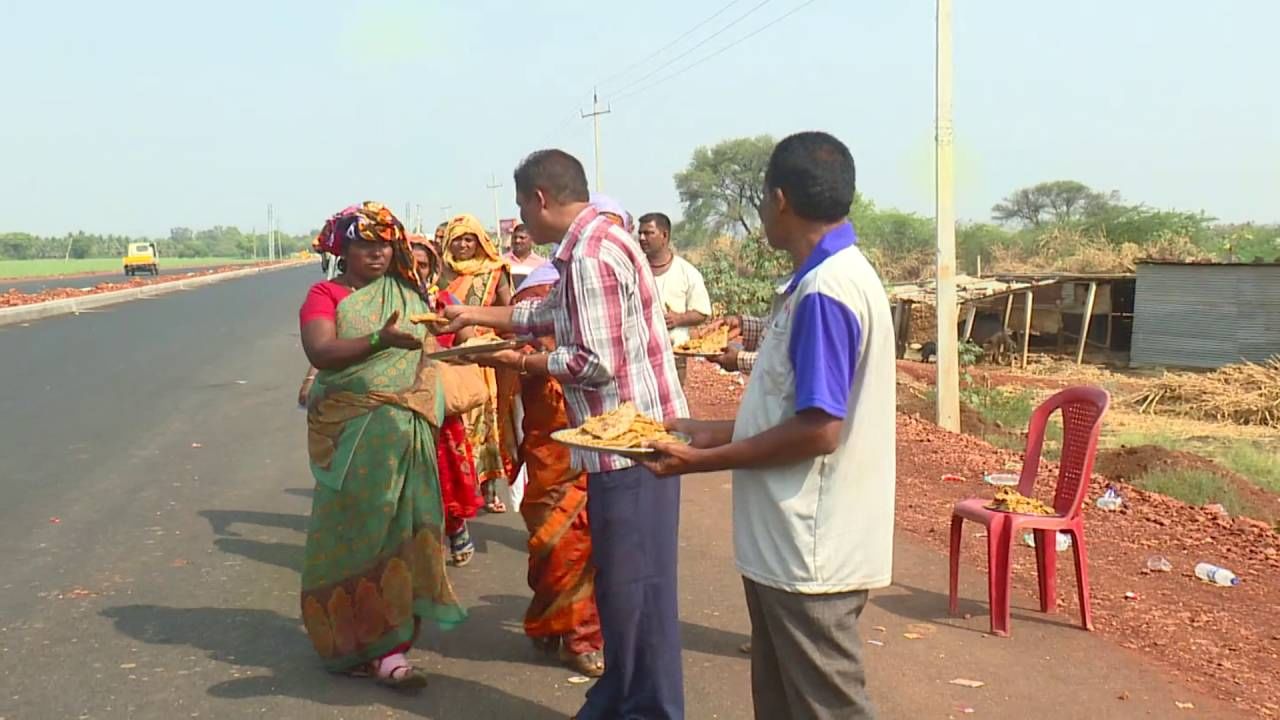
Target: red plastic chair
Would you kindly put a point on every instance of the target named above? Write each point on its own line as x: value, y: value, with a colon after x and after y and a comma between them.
x: 1082, y: 410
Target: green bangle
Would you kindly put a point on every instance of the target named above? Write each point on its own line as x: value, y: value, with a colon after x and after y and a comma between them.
x: 375, y: 340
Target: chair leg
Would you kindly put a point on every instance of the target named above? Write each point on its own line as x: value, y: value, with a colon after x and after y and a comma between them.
x: 1047, y: 569
x: 957, y: 525
x: 1082, y: 577
x: 998, y: 577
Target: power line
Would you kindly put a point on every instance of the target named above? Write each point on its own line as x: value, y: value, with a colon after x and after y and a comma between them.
x: 668, y: 46
x: 691, y: 50
x: 553, y: 134
x: 722, y: 50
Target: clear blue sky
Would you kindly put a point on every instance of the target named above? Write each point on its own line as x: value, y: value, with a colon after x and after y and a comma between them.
x: 132, y: 117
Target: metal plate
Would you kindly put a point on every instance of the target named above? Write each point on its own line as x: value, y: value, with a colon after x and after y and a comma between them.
x: 641, y: 453
x: 465, y: 350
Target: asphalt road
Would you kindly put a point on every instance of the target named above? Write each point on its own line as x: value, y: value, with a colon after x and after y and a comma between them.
x: 145, y: 577
x: 81, y: 281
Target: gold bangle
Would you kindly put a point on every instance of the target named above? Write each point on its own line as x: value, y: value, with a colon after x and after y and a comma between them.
x: 524, y: 362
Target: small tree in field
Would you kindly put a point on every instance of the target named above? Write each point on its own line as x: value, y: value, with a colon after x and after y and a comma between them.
x: 1060, y: 201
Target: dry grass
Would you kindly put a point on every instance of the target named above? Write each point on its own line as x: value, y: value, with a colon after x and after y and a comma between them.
x: 1068, y: 250
x: 1243, y: 394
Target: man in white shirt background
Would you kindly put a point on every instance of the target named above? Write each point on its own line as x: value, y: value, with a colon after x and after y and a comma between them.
x: 680, y: 285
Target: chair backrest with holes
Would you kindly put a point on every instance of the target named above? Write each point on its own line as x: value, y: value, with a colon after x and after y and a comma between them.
x: 1082, y: 409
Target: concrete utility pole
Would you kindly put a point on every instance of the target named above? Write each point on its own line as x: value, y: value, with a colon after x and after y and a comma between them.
x: 595, y: 114
x: 497, y: 220
x: 271, y: 247
x: 948, y: 346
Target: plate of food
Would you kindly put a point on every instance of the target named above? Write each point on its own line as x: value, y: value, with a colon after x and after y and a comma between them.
x: 712, y: 345
x: 622, y: 431
x: 475, y: 346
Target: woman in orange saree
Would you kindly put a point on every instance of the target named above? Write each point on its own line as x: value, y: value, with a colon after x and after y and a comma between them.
x: 476, y: 274
x: 562, y: 617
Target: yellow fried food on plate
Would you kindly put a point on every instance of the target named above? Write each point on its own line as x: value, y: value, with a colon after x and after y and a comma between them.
x: 427, y: 317
x: 613, y: 423
x: 713, y: 343
x: 624, y: 427
x: 1010, y: 500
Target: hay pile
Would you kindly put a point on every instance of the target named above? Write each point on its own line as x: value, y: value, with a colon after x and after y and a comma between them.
x: 1244, y: 394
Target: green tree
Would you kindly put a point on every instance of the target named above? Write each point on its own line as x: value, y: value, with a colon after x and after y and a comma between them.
x: 742, y: 275
x: 723, y: 186
x: 19, y: 246
x: 900, y: 244
x: 1119, y: 223
x: 974, y: 240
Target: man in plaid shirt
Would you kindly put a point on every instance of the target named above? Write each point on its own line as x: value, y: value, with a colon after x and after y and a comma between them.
x: 611, y: 347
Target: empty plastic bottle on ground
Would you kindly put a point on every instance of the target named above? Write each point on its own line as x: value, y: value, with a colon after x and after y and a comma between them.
x: 1110, y: 500
x: 1216, y: 575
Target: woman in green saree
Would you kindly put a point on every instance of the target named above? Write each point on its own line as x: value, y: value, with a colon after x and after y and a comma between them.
x: 374, y: 563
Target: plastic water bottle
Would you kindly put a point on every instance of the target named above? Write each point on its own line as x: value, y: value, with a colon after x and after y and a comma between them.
x: 1063, y: 542
x: 1110, y: 500
x: 1159, y: 563
x: 1218, y: 576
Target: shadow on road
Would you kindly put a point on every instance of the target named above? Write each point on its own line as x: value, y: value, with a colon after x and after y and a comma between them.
x: 285, y: 555
x: 269, y: 641
x: 307, y: 493
x: 712, y: 641
x: 913, y: 603
x: 280, y: 554
x: 484, y: 533
x: 220, y: 521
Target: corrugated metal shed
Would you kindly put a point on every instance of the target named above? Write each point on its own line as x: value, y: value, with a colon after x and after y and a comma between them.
x: 1205, y: 316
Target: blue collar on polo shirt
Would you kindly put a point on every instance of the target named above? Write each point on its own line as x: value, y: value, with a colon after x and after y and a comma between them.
x: 837, y: 238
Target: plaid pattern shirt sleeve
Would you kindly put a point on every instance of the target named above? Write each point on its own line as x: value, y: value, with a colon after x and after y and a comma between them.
x: 596, y: 322
x: 746, y: 361
x: 752, y: 332
x: 535, y: 318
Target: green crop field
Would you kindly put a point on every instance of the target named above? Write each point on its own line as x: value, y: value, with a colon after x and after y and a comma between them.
x: 45, y: 268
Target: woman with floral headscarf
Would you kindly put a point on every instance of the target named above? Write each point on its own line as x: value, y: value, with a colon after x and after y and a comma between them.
x: 373, y: 565
x: 476, y: 274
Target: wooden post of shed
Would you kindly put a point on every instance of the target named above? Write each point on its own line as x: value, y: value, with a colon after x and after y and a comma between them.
x: 900, y: 339
x: 1029, y: 298
x: 1084, y: 321
x: 1008, y: 312
x: 968, y: 322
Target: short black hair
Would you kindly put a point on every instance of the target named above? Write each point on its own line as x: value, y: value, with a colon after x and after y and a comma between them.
x: 554, y: 172
x: 815, y: 171
x: 659, y: 219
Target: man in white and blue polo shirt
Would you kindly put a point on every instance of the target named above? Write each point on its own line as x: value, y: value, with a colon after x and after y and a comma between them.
x: 812, y: 447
